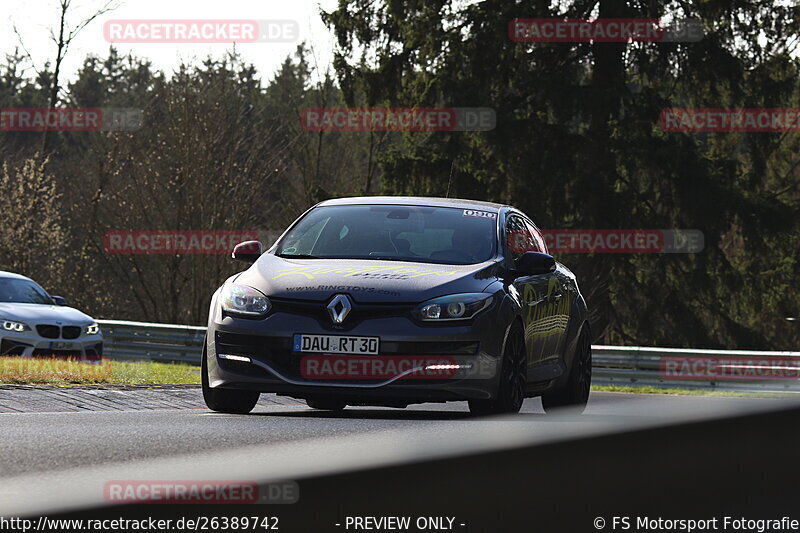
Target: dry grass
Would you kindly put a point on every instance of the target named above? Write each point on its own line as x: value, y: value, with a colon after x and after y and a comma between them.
x: 57, y: 371
x: 647, y: 389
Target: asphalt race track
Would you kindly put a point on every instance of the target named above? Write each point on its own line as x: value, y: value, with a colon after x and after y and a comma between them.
x: 64, y: 448
x: 50, y: 429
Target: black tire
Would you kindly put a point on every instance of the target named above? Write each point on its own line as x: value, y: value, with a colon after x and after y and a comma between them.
x: 326, y: 404
x: 225, y: 400
x: 575, y: 393
x: 513, y: 379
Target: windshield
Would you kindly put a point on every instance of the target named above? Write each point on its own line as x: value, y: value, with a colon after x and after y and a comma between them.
x: 22, y: 291
x: 393, y: 232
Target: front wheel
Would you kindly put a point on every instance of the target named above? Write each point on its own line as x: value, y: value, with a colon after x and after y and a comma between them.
x: 513, y: 379
x: 225, y: 400
x: 575, y: 394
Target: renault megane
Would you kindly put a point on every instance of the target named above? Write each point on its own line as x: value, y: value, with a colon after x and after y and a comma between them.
x: 391, y: 301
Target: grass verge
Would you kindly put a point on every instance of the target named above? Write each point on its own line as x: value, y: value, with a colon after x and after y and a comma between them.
x: 690, y: 392
x: 60, y: 372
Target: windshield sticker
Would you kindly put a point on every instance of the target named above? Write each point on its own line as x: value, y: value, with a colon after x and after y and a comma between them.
x: 479, y: 214
x: 365, y: 272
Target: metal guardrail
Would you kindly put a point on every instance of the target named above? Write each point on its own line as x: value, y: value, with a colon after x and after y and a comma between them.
x: 150, y: 341
x: 612, y: 365
x: 643, y: 366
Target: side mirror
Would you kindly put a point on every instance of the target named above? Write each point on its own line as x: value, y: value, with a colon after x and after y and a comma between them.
x: 59, y: 300
x: 533, y: 263
x: 247, y: 251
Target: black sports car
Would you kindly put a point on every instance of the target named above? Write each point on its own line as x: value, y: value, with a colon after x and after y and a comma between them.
x: 393, y: 300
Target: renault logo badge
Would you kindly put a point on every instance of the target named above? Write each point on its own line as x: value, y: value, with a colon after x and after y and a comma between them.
x: 339, y: 308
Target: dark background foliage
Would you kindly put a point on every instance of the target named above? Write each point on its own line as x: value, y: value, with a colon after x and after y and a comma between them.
x: 577, y: 145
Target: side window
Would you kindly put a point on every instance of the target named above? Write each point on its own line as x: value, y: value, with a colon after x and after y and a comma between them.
x: 537, y: 238
x: 519, y: 237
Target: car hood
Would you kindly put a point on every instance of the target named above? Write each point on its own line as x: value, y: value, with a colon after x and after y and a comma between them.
x: 365, y: 280
x: 43, y: 314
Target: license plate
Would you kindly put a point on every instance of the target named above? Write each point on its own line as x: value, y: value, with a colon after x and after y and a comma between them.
x: 335, y: 344
x: 60, y: 345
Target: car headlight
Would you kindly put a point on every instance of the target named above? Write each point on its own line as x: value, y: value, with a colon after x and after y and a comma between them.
x: 12, y: 325
x: 92, y: 329
x: 244, y: 300
x: 454, y: 307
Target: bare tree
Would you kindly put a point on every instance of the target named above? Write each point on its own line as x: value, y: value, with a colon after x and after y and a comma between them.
x: 66, y: 35
x: 32, y: 239
x: 205, y: 160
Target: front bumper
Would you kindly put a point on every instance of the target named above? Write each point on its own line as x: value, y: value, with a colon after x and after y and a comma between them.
x: 31, y: 344
x: 274, y: 367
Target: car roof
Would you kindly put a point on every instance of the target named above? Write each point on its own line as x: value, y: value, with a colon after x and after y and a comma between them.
x: 414, y: 200
x: 4, y: 274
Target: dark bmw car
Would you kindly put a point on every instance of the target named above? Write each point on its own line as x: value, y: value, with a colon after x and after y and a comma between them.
x: 391, y: 301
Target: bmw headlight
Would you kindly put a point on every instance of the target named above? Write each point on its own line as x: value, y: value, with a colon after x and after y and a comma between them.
x: 244, y: 300
x: 454, y: 307
x: 12, y: 325
x: 92, y: 329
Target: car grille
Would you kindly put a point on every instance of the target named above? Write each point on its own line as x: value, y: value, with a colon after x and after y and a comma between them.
x: 277, y: 353
x: 430, y: 348
x: 51, y: 331
x: 48, y: 331
x: 358, y: 313
x: 71, y: 332
x: 265, y: 349
x: 41, y: 352
x: 8, y: 347
x: 96, y: 349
